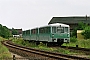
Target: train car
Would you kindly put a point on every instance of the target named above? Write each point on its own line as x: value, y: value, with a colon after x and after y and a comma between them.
x: 53, y: 34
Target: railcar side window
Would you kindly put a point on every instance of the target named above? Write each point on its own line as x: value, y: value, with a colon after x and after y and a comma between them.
x: 23, y: 32
x: 53, y: 29
x: 44, y: 30
x: 47, y: 29
x: 34, y: 31
x: 28, y: 31
x: 41, y: 30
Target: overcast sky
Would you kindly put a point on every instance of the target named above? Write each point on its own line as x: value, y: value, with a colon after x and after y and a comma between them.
x: 27, y: 14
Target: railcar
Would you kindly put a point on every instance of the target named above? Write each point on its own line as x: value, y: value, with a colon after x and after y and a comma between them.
x: 55, y: 34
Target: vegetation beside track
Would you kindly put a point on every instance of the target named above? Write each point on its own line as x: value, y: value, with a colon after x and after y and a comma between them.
x: 44, y: 47
x: 4, y: 52
x: 83, y: 43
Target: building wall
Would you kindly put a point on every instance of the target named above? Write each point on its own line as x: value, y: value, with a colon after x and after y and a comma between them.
x: 79, y: 35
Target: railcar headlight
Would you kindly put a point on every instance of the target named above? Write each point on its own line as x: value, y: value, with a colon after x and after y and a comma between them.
x: 68, y: 35
x: 52, y: 34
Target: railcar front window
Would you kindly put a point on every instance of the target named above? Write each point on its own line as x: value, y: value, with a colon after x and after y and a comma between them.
x: 60, y: 29
x: 66, y: 30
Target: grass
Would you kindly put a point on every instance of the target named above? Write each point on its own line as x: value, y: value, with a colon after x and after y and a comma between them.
x: 4, y: 52
x: 21, y: 42
x: 81, y: 43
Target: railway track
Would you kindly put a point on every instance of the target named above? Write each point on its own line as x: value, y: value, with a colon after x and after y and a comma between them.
x: 85, y: 50
x: 40, y: 53
x: 76, y: 48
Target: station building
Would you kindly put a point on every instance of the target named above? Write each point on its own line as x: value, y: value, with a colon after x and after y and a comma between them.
x: 73, y: 21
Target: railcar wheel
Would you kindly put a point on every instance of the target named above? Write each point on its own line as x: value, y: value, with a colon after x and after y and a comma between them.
x: 37, y: 43
x: 59, y: 44
x: 48, y: 44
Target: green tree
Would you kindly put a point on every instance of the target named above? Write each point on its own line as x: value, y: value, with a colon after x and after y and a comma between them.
x: 4, y: 32
x: 86, y: 32
x: 1, y: 33
x: 14, y: 32
x: 80, y: 26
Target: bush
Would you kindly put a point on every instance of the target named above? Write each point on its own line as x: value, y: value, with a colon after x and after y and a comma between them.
x: 86, y: 32
x: 73, y: 39
x: 42, y: 45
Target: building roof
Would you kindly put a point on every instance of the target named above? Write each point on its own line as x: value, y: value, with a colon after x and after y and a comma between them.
x: 70, y: 20
x: 19, y: 31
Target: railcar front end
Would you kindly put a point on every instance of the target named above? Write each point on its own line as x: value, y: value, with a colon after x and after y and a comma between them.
x: 60, y: 34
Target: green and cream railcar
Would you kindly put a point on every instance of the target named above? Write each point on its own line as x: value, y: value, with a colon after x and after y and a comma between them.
x: 60, y: 33
x: 55, y: 33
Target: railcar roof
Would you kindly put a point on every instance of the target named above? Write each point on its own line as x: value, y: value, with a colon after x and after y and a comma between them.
x: 57, y: 24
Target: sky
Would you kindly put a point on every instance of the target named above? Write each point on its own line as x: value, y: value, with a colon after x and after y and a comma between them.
x: 27, y: 14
